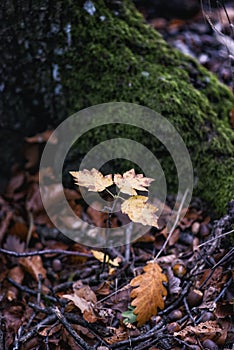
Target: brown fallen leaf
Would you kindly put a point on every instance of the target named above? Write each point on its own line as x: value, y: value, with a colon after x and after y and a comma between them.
x: 13, y: 243
x: 34, y: 266
x: 5, y: 222
x: 85, y: 299
x: 92, y: 179
x: 148, y: 296
x: 48, y: 331
x: 119, y: 335
x: 19, y: 229
x: 130, y: 181
x: 69, y: 341
x: 173, y: 282
x: 204, y: 330
x: 17, y: 274
x: 224, y: 309
x: 103, y: 288
x: 138, y: 210
x: 120, y: 300
x: 83, y: 330
x: 84, y: 292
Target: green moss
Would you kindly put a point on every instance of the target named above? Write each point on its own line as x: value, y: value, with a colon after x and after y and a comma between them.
x: 110, y: 53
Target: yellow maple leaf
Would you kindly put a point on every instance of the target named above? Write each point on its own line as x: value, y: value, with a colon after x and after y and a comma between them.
x: 138, y: 210
x: 100, y: 256
x: 130, y: 181
x: 148, y: 294
x: 92, y: 179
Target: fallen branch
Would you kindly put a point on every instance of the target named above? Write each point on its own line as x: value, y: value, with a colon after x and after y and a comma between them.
x: 32, y: 292
x: 214, y: 239
x: 44, y: 323
x: 79, y: 341
x: 43, y: 252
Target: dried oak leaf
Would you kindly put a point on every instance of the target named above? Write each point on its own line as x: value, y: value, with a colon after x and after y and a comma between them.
x: 138, y: 210
x: 92, y: 179
x: 148, y: 296
x: 204, y: 330
x: 130, y: 181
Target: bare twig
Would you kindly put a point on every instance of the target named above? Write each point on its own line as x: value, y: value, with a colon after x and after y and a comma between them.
x: 48, y: 320
x: 2, y: 346
x: 43, y: 252
x: 39, y: 289
x: 128, y: 240
x: 174, y: 225
x: 16, y: 345
x: 63, y: 286
x: 30, y: 229
x: 188, y: 310
x: 176, y: 303
x: 223, y: 291
x: 73, y: 318
x: 227, y: 256
x: 214, y: 267
x: 214, y: 239
x: 31, y: 291
x: 70, y: 330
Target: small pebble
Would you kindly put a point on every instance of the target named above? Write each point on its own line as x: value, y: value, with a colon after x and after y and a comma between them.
x: 175, y: 315
x: 210, y: 345
x: 186, y: 238
x: 57, y: 265
x: 203, y: 58
x: 195, y: 227
x: 204, y: 230
x: 194, y: 298
x: 38, y: 246
x: 207, y: 316
x: 173, y: 327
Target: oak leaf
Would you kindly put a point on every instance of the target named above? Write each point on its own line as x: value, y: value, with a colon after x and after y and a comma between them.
x: 92, y: 179
x: 138, y: 210
x: 204, y: 330
x: 130, y: 181
x: 149, y: 292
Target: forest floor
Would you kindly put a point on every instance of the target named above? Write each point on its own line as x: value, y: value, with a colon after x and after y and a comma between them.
x: 56, y: 294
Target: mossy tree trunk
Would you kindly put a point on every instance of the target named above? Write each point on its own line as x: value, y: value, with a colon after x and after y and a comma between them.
x: 65, y: 58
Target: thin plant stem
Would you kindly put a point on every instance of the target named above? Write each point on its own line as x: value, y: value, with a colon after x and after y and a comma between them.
x: 214, y: 239
x: 174, y: 225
